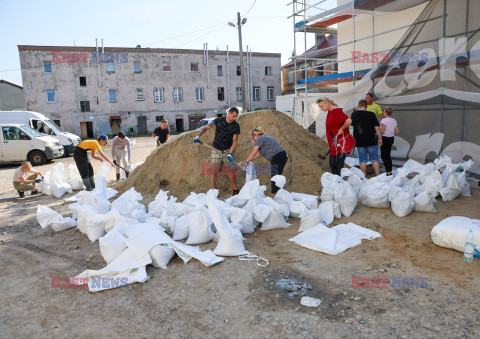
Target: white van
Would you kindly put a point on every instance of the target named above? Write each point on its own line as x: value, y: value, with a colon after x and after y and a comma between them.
x: 20, y: 142
x: 42, y: 124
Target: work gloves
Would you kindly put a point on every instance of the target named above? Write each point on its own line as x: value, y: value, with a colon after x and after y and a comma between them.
x: 38, y: 180
x: 230, y: 157
x: 114, y: 162
x: 196, y: 140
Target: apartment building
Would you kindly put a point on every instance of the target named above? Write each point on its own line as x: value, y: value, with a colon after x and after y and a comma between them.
x: 91, y: 91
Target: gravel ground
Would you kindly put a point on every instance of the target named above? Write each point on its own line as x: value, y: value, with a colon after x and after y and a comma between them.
x: 238, y: 298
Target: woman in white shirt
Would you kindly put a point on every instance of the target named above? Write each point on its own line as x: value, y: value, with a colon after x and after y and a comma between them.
x: 388, y: 128
x: 22, y: 181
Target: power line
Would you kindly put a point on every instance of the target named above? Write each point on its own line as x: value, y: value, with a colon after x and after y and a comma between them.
x: 8, y: 70
x: 222, y: 26
x: 250, y: 8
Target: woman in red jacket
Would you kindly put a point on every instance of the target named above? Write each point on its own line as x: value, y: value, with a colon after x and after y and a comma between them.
x: 337, y: 123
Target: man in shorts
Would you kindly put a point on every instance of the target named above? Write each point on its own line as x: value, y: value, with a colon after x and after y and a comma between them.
x: 366, y: 131
x: 225, y: 142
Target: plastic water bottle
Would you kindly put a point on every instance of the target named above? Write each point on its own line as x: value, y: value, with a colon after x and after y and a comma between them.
x: 469, y: 247
x: 459, y: 168
x: 468, y: 177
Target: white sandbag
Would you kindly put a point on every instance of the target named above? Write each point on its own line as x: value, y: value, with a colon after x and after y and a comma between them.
x: 230, y: 242
x: 196, y: 200
x: 282, y: 208
x: 200, y: 228
x: 467, y: 165
x: 80, y: 213
x: 186, y: 252
x: 251, y: 173
x: 411, y: 166
x: 433, y: 183
x: 105, y: 170
x: 328, y: 192
x: 451, y: 190
x: 312, y: 218
x: 127, y: 203
x: 442, y: 161
x: 274, y: 220
x: 111, y: 245
x: 452, y: 232
x: 329, y: 178
x: 346, y: 197
x: 283, y: 197
x: 181, y: 228
x: 394, y: 192
x: 44, y: 185
x: 243, y: 217
x: 463, y: 184
x: 48, y: 217
x: 353, y: 178
x: 424, y: 203
x: 94, y: 226
x: 334, y: 240
x: 298, y: 209
x: 279, y: 180
x: 161, y: 255
x: 402, y: 205
x: 75, y: 178
x: 261, y: 212
x: 309, y: 200
x: 101, y: 204
x: 144, y: 237
x: 329, y: 210
x: 376, y: 195
x: 59, y: 184
x: 411, y: 186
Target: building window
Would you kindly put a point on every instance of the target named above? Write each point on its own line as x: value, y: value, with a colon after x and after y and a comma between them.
x: 239, y: 71
x: 47, y: 67
x: 199, y: 94
x: 140, y: 95
x: 270, y: 93
x: 256, y: 93
x: 166, y: 68
x: 220, y: 70
x: 83, y: 81
x: 177, y: 94
x: 158, y: 95
x: 268, y: 70
x: 137, y: 67
x: 110, y: 67
x: 51, y: 96
x: 221, y: 93
x: 159, y: 118
x: 85, y: 106
x: 112, y: 95
x: 239, y: 93
x: 194, y: 68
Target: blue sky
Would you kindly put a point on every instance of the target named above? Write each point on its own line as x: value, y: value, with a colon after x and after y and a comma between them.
x: 149, y: 23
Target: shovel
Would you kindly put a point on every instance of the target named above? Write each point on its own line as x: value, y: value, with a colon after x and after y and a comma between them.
x: 126, y: 171
x: 232, y: 163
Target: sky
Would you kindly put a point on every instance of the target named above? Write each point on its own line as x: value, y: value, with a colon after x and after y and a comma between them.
x: 156, y: 24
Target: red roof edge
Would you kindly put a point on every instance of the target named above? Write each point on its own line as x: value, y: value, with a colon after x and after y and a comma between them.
x: 9, y: 83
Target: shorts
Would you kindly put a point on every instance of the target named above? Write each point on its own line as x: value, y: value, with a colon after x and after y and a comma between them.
x: 218, y: 159
x: 368, y: 153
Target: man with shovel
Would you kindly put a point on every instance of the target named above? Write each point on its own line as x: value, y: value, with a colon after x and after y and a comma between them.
x: 224, y: 144
x: 121, y: 153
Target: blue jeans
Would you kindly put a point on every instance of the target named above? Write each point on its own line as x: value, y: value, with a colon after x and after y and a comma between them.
x: 368, y: 153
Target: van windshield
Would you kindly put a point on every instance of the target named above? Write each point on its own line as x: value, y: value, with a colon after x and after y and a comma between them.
x: 53, y: 126
x: 31, y: 131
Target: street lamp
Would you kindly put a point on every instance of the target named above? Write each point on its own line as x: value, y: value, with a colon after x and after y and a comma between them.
x: 239, y: 25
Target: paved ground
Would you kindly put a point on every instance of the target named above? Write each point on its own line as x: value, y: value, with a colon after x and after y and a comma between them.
x: 237, y: 298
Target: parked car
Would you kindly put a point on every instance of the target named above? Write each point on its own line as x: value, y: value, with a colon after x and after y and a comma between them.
x: 42, y: 124
x: 21, y: 142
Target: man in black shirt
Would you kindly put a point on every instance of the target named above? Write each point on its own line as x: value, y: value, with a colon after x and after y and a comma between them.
x: 366, y: 130
x: 226, y: 138
x: 162, y: 133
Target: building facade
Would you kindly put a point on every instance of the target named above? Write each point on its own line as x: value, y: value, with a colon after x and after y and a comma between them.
x: 11, y: 96
x: 90, y: 92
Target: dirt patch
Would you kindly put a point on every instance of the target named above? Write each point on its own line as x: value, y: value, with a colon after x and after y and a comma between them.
x: 181, y: 166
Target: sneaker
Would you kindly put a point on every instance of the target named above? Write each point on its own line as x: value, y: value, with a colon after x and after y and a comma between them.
x: 21, y: 194
x: 235, y: 192
x: 34, y: 192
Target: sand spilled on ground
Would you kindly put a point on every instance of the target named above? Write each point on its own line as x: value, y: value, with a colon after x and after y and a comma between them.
x: 181, y: 166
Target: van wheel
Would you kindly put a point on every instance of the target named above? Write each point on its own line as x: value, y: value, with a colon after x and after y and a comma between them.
x: 65, y: 152
x: 37, y: 158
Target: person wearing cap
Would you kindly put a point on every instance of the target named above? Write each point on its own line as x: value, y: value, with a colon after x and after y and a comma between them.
x: 121, y: 152
x: 84, y: 166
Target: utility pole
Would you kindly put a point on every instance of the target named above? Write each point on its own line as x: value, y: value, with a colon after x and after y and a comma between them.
x: 242, y: 69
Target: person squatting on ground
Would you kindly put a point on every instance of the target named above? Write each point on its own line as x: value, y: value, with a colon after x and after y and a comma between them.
x: 162, y: 133
x: 269, y: 148
x: 337, y: 124
x: 373, y: 107
x: 366, y: 131
x: 84, y: 166
x: 226, y: 138
x: 22, y: 181
x: 388, y: 128
x: 121, y: 153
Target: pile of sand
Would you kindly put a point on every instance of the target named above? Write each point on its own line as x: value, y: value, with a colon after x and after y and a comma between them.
x: 177, y: 166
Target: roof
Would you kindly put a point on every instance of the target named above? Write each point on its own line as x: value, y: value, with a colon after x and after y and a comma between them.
x: 326, y: 47
x: 9, y: 83
x: 135, y: 50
